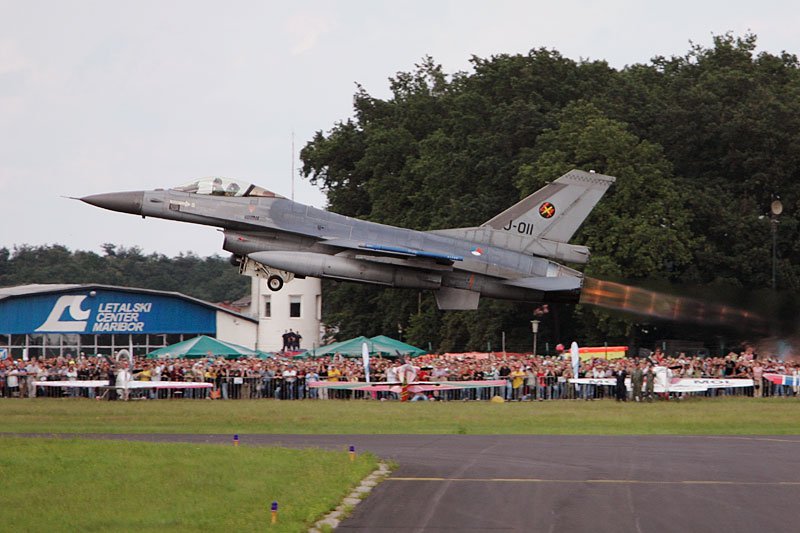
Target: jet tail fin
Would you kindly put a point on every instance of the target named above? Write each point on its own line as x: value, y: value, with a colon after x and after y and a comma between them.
x: 556, y: 211
x: 544, y: 222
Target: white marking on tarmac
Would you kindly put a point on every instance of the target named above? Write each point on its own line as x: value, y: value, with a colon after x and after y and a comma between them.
x: 598, y: 481
x: 767, y: 439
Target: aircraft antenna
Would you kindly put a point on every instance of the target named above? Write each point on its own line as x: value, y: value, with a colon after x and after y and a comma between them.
x: 293, y: 165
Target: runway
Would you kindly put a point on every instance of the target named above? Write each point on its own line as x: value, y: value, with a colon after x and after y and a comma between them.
x: 446, y: 483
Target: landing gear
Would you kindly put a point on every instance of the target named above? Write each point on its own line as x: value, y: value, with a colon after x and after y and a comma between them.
x: 275, y: 283
x: 275, y: 278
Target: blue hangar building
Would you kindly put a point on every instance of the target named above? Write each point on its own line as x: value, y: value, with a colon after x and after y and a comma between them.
x: 53, y: 320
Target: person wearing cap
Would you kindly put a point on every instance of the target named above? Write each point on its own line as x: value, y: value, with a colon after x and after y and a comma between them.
x: 72, y: 376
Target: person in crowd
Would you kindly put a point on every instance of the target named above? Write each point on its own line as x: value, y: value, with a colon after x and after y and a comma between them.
x: 419, y: 396
x: 291, y: 341
x: 285, y: 338
x: 505, y: 372
x: 621, y: 391
x: 12, y: 382
x: 541, y: 375
x: 517, y: 380
x: 650, y: 376
x: 637, y: 381
x: 322, y: 373
x: 111, y: 376
x: 758, y: 379
x: 122, y: 379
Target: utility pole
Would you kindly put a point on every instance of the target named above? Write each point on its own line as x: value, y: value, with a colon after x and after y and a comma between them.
x: 775, y: 208
x: 535, y: 328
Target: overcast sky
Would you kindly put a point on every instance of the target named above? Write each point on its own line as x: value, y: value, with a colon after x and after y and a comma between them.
x: 101, y: 96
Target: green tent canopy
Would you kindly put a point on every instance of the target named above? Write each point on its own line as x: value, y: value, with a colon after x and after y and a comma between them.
x: 380, y: 345
x: 386, y: 344
x: 348, y: 348
x: 202, y: 346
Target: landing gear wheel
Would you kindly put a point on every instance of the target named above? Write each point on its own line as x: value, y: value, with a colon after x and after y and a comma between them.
x: 275, y: 283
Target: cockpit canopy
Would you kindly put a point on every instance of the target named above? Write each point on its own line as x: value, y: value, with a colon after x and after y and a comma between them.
x: 219, y: 186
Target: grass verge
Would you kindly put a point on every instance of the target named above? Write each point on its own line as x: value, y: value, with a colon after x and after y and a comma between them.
x: 702, y: 416
x: 83, y: 485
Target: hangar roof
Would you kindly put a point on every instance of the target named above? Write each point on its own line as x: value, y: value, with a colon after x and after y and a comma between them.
x: 20, y: 291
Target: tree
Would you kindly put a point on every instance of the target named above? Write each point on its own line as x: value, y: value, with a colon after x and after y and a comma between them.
x: 700, y: 143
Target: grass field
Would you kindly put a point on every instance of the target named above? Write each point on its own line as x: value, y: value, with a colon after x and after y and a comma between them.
x: 73, y: 484
x: 721, y: 416
x: 82, y: 485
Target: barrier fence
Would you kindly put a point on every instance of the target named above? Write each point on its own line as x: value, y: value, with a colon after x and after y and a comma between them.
x: 277, y: 388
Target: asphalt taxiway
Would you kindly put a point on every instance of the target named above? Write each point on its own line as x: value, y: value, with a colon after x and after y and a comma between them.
x: 566, y: 483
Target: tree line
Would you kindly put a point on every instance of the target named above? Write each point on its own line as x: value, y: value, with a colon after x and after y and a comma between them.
x: 701, y: 145
x: 212, y: 279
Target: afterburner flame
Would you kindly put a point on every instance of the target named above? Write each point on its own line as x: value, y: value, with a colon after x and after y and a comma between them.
x: 627, y: 298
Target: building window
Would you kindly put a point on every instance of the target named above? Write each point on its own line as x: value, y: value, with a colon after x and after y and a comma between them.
x: 294, y: 306
x: 267, y: 307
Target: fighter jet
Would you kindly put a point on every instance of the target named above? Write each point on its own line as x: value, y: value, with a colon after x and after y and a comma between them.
x: 512, y: 256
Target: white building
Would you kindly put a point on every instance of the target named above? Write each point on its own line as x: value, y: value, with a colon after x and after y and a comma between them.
x: 297, y: 306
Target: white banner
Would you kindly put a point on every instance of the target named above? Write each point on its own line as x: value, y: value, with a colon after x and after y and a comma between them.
x: 365, y: 358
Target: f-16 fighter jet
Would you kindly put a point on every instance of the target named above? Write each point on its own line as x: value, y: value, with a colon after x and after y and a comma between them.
x: 512, y: 256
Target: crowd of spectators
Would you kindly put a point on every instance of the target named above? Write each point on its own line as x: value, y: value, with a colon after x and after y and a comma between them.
x: 527, y: 377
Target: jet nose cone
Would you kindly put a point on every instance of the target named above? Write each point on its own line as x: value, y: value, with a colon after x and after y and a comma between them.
x: 125, y: 202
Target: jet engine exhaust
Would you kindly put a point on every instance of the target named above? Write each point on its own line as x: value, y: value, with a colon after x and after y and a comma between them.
x: 644, y: 302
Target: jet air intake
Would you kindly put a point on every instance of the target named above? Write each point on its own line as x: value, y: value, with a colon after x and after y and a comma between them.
x: 331, y: 266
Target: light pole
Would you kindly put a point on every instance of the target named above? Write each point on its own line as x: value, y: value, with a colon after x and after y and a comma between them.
x: 535, y: 329
x: 775, y: 209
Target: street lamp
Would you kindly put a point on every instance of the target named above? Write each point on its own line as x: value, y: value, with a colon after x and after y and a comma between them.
x: 775, y: 209
x: 535, y: 329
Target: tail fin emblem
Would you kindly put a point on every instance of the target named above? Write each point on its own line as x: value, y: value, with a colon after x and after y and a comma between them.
x: 547, y: 210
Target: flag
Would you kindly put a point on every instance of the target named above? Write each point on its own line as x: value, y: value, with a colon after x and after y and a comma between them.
x: 365, y: 358
x: 576, y: 358
x: 781, y: 379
